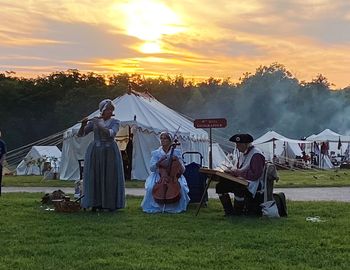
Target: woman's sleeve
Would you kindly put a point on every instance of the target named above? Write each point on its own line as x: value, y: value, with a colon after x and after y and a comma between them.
x: 114, y: 128
x: 89, y: 127
x: 153, y: 162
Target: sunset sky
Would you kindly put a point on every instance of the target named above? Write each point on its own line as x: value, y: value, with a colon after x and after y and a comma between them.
x: 194, y: 38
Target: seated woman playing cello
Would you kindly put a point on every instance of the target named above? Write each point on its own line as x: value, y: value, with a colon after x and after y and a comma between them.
x: 166, y: 187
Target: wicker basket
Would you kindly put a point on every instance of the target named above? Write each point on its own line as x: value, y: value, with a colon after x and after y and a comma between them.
x: 66, y: 205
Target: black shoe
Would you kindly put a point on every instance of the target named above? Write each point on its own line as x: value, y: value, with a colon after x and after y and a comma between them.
x: 95, y: 208
x: 227, y: 204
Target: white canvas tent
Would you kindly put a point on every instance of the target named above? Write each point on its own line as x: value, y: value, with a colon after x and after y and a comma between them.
x: 32, y: 163
x: 291, y: 151
x: 329, y: 136
x: 285, y: 149
x: 332, y: 138
x: 219, y: 156
x: 144, y: 117
x: 273, y: 143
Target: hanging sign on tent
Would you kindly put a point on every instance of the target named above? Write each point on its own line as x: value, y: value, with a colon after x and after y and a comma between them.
x: 210, y: 123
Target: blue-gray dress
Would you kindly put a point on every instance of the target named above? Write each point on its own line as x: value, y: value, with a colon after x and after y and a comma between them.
x: 148, y: 203
x: 104, y: 183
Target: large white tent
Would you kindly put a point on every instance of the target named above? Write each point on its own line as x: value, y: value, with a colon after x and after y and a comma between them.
x: 32, y: 163
x: 144, y: 117
x: 332, y: 138
x: 329, y: 136
x: 219, y: 156
x: 274, y: 144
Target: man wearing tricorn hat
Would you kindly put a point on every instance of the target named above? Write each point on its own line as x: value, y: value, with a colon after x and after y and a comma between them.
x: 250, y: 166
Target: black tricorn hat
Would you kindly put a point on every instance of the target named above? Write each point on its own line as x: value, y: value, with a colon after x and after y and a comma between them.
x: 242, y: 138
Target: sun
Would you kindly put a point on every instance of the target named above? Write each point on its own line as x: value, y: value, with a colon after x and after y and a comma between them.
x: 149, y: 20
x: 150, y: 47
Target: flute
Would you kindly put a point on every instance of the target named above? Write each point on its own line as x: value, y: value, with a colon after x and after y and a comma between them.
x: 90, y: 119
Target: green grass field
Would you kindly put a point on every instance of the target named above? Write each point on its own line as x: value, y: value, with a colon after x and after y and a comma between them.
x: 334, y: 178
x: 34, y: 238
x: 309, y: 178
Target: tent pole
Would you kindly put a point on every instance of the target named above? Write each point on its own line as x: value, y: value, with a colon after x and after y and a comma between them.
x: 319, y: 156
x: 210, y: 150
x: 285, y: 153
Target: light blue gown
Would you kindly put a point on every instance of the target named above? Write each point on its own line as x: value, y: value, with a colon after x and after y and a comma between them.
x: 103, y: 181
x: 148, y: 204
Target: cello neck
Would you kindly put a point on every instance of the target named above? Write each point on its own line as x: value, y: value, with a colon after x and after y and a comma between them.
x: 170, y: 161
x: 173, y: 146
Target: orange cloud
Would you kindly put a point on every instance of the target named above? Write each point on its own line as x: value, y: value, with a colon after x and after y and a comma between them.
x: 198, y: 38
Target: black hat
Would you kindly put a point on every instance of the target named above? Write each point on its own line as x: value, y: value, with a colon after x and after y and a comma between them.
x: 242, y: 138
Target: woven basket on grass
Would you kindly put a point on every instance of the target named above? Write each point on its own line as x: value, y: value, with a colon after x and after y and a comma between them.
x: 66, y: 206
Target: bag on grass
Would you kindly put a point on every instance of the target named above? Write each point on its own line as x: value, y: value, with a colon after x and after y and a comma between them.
x: 269, y: 209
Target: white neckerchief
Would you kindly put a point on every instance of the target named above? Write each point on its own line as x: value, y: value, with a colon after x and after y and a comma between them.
x: 244, y: 156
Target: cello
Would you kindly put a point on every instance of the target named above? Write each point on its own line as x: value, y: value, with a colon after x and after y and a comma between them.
x: 167, y: 189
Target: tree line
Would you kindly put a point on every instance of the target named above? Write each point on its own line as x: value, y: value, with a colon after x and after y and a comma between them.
x: 270, y: 99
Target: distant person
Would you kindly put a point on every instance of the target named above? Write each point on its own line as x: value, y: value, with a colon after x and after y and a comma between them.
x: 324, y: 148
x: 159, y: 160
x: 250, y: 166
x: 314, y: 158
x: 125, y: 163
x: 306, y: 158
x: 275, y: 159
x: 3, y: 151
x: 128, y: 151
x: 103, y: 180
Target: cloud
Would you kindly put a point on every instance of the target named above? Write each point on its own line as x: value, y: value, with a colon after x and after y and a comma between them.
x: 213, y: 38
x: 60, y: 43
